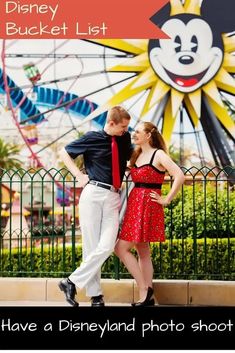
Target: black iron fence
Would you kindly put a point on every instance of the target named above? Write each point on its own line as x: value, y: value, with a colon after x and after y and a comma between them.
x: 41, y: 236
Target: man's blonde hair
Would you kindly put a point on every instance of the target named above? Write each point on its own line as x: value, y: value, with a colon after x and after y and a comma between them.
x: 117, y: 114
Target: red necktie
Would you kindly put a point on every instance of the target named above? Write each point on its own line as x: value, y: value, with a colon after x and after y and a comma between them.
x: 115, y: 164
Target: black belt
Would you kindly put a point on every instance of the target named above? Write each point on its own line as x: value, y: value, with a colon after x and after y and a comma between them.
x: 105, y: 186
x: 148, y: 185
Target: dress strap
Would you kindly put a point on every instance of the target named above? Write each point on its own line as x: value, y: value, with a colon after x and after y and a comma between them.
x: 152, y: 158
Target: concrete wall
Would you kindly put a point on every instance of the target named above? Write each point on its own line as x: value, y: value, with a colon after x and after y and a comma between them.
x: 167, y: 292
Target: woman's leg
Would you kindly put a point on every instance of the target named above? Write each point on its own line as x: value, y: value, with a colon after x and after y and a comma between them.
x: 145, y: 262
x: 122, y: 250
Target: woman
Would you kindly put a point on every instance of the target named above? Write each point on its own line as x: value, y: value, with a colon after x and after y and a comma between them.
x: 144, y: 217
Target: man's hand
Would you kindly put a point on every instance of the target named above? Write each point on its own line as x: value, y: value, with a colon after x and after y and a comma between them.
x: 82, y: 180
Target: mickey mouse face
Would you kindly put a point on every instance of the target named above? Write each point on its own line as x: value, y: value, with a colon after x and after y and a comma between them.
x: 188, y: 59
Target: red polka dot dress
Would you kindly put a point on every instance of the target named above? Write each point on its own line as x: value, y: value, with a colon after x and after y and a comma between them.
x: 144, y: 219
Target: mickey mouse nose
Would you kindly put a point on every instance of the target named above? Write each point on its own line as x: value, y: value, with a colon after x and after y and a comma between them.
x: 186, y: 59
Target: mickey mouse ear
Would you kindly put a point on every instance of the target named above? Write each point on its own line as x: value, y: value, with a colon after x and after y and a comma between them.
x: 219, y: 14
x: 160, y: 17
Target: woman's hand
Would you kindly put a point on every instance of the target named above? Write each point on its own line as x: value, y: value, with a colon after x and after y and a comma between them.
x: 155, y: 197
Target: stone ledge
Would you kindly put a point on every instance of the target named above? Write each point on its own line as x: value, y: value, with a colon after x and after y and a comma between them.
x: 22, y: 288
x: 167, y: 292
x: 219, y: 293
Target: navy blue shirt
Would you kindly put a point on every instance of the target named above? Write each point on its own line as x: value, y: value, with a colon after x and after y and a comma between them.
x: 95, y: 146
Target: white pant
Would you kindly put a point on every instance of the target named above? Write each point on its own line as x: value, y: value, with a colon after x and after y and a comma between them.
x: 99, y: 220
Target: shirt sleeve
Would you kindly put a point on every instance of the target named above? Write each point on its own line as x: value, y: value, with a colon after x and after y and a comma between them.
x: 78, y: 147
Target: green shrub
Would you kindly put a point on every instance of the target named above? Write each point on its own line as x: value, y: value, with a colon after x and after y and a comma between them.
x: 188, y: 259
x: 40, y: 262
x: 177, y: 258
x: 200, y: 232
x: 201, y: 211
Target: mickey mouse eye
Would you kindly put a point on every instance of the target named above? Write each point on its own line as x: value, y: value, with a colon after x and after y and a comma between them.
x: 178, y: 44
x: 194, y: 44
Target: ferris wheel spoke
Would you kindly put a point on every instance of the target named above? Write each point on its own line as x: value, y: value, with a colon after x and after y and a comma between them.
x: 73, y: 101
x: 59, y: 80
x: 57, y: 139
x: 66, y: 56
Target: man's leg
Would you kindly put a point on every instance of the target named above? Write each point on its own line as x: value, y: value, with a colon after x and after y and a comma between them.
x: 89, y: 271
x: 90, y: 215
x: 108, y: 235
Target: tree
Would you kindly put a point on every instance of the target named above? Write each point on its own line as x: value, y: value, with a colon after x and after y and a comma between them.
x: 8, y: 153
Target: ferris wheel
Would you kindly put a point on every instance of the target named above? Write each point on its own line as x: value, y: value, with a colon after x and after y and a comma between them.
x: 44, y: 110
x: 185, y: 85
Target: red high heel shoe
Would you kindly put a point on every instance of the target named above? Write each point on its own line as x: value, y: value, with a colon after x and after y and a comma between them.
x: 149, y: 300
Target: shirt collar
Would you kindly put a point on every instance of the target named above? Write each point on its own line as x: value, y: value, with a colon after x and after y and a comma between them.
x: 104, y: 133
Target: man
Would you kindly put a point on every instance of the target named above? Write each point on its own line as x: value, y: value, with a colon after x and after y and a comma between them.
x: 99, y: 202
